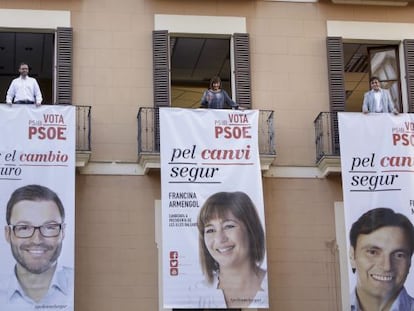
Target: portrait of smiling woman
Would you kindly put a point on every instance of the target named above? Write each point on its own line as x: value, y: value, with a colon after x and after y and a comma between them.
x: 232, y: 250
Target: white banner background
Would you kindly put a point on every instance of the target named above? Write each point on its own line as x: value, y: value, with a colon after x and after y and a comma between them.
x: 370, y: 145
x: 27, y: 132
x: 185, y: 135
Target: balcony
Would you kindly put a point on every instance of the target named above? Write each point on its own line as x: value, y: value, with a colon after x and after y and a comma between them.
x: 327, y: 143
x: 149, y: 138
x: 83, y: 135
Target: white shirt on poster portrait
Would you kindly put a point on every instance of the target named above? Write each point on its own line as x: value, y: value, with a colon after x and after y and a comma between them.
x: 205, y: 295
x: 403, y: 302
x: 60, y: 295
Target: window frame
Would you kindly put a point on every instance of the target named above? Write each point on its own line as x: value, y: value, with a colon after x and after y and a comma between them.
x: 164, y: 25
x: 58, y: 22
x: 401, y: 34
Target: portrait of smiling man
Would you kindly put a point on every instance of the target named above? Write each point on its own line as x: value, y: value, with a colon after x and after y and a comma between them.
x: 35, y: 231
x: 382, y: 244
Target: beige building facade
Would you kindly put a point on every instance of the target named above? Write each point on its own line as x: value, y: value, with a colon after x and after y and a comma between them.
x: 118, y: 185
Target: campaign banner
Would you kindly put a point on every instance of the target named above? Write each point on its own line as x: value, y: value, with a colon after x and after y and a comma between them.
x: 37, y: 207
x: 377, y: 160
x: 213, y: 226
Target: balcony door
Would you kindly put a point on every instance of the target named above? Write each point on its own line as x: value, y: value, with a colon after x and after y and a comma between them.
x: 383, y: 63
x: 185, y: 64
x: 351, y: 64
x: 194, y: 60
x: 49, y: 56
x: 35, y: 49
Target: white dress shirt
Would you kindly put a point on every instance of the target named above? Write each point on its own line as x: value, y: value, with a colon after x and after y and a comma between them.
x: 25, y: 89
x: 205, y: 295
x: 378, y: 105
x: 60, y: 295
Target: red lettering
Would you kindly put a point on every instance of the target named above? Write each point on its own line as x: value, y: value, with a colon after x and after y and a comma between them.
x: 52, y: 132
x: 226, y: 154
x: 236, y: 132
x: 403, y: 139
x: 32, y: 131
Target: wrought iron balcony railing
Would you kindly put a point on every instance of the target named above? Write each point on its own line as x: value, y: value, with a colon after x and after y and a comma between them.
x: 149, y: 136
x: 326, y: 135
x: 83, y: 128
x: 83, y: 134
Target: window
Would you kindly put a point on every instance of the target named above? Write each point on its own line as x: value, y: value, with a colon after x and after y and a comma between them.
x: 194, y: 60
x: 363, y: 61
x: 54, y: 22
x: 38, y: 51
x: 35, y: 49
x: 337, y: 79
x: 381, y: 60
x: 162, y: 75
x: 162, y: 66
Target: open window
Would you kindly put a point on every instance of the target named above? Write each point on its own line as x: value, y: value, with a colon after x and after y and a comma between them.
x: 349, y: 68
x: 363, y: 61
x: 35, y: 49
x: 350, y: 65
x: 194, y: 60
x: 183, y: 66
x: 383, y: 61
x: 49, y: 55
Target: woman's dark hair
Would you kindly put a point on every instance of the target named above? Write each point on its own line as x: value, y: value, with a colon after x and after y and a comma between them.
x: 241, y: 206
x: 215, y: 79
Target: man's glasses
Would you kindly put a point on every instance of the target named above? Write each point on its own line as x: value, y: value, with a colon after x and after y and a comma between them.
x: 27, y: 231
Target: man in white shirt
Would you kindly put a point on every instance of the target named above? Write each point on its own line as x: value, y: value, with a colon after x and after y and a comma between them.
x: 377, y: 99
x: 24, y: 89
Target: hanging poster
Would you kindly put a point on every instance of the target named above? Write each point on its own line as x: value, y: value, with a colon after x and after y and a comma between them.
x: 213, y: 234
x: 37, y: 207
x: 377, y: 160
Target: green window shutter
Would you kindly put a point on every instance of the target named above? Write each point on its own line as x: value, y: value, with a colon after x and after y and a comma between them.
x: 64, y: 39
x: 242, y: 69
x: 161, y: 66
x: 409, y: 72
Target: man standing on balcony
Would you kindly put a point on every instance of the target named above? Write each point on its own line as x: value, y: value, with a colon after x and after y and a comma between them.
x: 378, y: 99
x: 24, y: 89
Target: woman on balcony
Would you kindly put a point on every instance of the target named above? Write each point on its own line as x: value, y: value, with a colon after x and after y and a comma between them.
x: 217, y: 98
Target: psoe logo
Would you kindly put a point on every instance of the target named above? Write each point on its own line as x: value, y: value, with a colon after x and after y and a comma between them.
x: 403, y: 135
x: 47, y: 132
x: 52, y: 128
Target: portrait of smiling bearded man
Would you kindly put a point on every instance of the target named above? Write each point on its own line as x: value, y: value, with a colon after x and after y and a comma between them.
x: 35, y: 230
